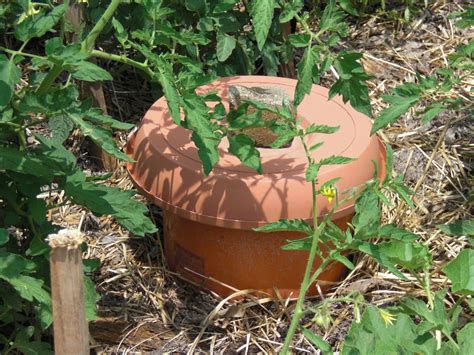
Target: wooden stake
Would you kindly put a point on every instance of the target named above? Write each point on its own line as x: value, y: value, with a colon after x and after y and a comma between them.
x: 71, y: 332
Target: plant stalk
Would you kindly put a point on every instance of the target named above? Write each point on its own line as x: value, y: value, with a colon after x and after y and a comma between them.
x: 89, y: 41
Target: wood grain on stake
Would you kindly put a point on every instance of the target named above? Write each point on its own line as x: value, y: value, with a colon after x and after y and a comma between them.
x: 71, y: 333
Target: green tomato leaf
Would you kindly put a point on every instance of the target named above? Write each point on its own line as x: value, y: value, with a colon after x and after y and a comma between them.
x: 461, y: 272
x: 432, y: 111
x: 88, y: 71
x: 312, y: 172
x: 314, y: 128
x: 398, y: 106
x: 60, y: 126
x: 243, y: 147
x: 347, y: 6
x: 173, y: 99
x: 262, y: 15
x: 100, y: 136
x: 335, y: 160
x: 305, y: 75
x: 352, y: 82
x: 298, y: 244
x: 290, y: 9
x: 225, y: 46
x: 286, y: 225
x: 460, y: 227
x: 37, y: 26
x: 97, y: 116
x: 9, y: 77
x: 299, y: 40
x: 106, y: 200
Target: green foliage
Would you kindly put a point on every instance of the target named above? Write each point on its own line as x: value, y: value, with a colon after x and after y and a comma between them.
x: 262, y: 15
x: 460, y: 227
x: 461, y: 272
x: 180, y: 46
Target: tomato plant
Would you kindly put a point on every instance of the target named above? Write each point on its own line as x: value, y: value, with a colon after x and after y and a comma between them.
x: 180, y: 46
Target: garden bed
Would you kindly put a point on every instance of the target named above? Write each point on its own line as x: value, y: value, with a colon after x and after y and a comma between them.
x: 145, y: 307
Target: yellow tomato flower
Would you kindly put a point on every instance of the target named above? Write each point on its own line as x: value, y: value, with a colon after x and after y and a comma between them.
x: 329, y: 192
x: 388, y: 318
x: 31, y: 10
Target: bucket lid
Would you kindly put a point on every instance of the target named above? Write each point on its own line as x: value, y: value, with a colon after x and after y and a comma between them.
x: 167, y: 168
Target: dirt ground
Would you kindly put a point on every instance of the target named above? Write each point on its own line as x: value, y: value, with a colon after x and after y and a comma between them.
x: 145, y: 307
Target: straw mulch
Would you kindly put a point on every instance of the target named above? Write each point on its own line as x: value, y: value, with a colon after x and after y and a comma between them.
x: 145, y: 307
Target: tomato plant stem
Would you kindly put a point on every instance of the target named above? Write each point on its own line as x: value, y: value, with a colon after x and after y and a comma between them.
x: 89, y: 41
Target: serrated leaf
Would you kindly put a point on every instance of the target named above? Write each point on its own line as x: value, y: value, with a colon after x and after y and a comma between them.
x: 335, y: 160
x: 262, y: 15
x: 32, y: 164
x: 431, y: 112
x: 37, y: 26
x: 207, y: 151
x: 367, y: 212
x: 315, y: 128
x: 100, y: 136
x: 206, y: 135
x: 243, y: 147
x: 316, y: 340
x: 315, y: 146
x: 165, y: 77
x: 343, y: 260
x: 351, y: 84
x: 460, y: 227
x: 388, y: 164
x: 286, y: 225
x: 120, y: 32
x: 60, y: 126
x: 397, y: 186
x: 87, y: 71
x: 225, y: 46
x: 290, y: 9
x: 30, y: 288
x: 305, y: 75
x: 283, y: 139
x: 461, y: 272
x: 106, y: 200
x: 312, y: 172
x: 299, y: 40
x: 9, y: 77
x: 347, y: 6
x: 97, y: 116
x: 399, y: 105
x: 298, y: 244
x: 332, y: 18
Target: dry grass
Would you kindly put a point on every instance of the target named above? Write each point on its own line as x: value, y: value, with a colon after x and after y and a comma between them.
x: 145, y: 307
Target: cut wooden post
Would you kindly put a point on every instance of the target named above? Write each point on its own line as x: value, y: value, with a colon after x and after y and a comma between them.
x: 71, y: 332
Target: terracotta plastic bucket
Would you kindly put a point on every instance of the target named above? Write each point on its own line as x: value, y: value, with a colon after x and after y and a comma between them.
x: 208, y: 221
